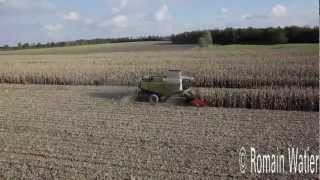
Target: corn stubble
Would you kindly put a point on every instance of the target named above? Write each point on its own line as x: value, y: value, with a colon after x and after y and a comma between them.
x: 78, y: 136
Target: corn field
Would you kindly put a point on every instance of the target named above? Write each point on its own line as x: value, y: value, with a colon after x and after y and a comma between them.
x: 52, y: 127
x: 263, y: 77
x: 306, y: 99
x: 211, y: 69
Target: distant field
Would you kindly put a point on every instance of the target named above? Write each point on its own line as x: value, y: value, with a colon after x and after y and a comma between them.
x: 154, y: 46
x: 234, y: 66
x: 102, y: 48
x: 290, y: 68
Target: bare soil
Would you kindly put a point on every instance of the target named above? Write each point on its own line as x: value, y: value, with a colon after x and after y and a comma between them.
x: 85, y: 132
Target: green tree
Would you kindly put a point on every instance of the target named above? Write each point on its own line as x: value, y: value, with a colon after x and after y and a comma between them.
x: 277, y: 36
x: 38, y: 45
x: 202, y: 42
x: 206, y: 39
x: 19, y: 45
x: 25, y: 45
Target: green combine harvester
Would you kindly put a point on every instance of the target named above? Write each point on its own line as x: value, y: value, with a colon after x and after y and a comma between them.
x: 160, y: 88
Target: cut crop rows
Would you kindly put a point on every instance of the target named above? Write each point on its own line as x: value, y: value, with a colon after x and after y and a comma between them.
x: 63, y: 132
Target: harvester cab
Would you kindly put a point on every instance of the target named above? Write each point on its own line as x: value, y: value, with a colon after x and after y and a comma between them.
x: 160, y: 88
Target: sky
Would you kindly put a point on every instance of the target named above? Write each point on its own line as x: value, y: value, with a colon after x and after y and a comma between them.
x: 63, y: 20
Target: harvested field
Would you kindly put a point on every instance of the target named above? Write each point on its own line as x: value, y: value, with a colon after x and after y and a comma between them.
x: 103, y: 48
x: 231, y: 66
x: 71, y: 132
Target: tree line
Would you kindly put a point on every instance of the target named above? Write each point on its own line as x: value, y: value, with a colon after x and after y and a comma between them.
x: 82, y: 42
x: 271, y: 35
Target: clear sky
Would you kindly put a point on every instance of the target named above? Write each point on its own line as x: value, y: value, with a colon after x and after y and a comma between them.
x: 57, y: 20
